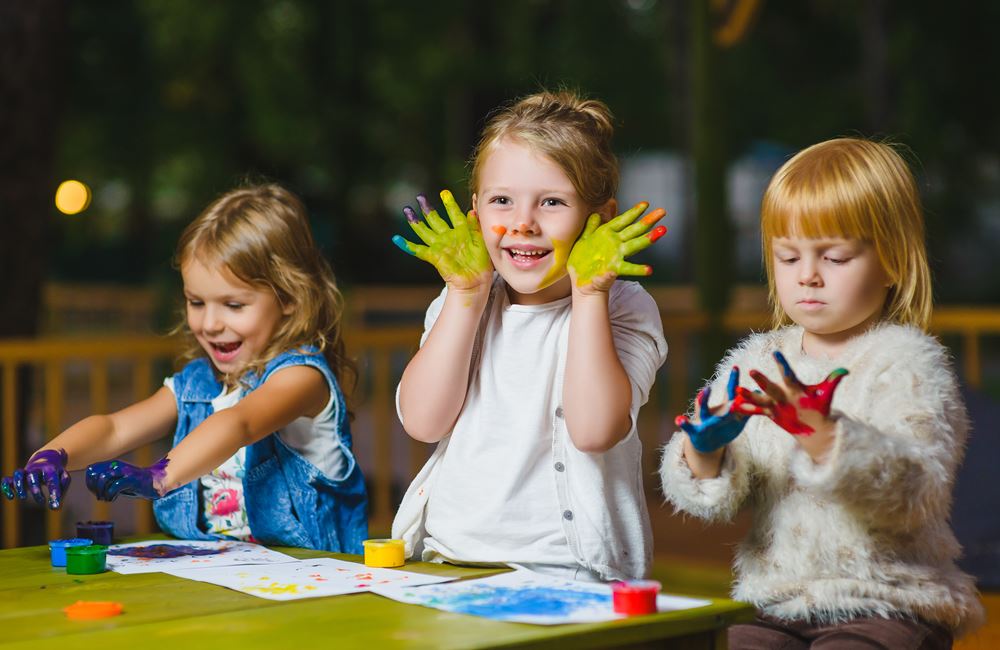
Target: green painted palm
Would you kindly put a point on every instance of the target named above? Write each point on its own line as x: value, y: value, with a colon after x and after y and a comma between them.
x: 599, y: 255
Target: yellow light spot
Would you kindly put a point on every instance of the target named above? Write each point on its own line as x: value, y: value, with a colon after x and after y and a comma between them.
x: 72, y: 197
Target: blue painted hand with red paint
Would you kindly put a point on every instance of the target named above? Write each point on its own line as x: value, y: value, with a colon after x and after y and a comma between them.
x: 45, y: 468
x: 716, y: 429
x: 793, y: 405
x: 109, y: 479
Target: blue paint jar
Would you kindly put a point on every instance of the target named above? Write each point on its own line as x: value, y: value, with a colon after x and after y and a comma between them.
x: 57, y: 548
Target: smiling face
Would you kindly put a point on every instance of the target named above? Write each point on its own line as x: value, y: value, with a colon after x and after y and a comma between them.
x: 233, y: 321
x: 834, y: 288
x: 530, y: 215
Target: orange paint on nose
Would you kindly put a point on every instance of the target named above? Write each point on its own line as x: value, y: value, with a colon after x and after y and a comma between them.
x: 500, y: 230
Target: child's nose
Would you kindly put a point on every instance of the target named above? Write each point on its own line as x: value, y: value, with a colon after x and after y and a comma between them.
x: 213, y: 321
x: 809, y: 274
x: 523, y: 223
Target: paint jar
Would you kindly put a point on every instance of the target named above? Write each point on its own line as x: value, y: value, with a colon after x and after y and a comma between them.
x: 635, y: 597
x: 89, y: 610
x: 82, y: 560
x: 99, y: 531
x: 57, y: 548
x: 384, y: 552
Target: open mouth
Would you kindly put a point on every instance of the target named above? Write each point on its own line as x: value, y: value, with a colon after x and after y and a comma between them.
x: 527, y: 257
x: 225, y: 351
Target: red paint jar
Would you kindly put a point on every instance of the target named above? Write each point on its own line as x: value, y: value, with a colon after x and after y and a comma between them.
x: 635, y: 597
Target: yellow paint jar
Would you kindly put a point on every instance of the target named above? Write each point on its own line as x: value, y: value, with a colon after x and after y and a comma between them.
x: 384, y: 552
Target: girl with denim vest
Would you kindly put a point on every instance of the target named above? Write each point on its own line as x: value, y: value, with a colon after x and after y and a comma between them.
x: 535, y: 358
x: 262, y: 445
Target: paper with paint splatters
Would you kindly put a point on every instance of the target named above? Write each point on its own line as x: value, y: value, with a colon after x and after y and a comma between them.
x: 524, y: 596
x: 161, y: 555
x: 305, y: 578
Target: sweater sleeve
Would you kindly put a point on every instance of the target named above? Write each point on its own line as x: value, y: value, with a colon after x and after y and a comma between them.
x: 894, y: 461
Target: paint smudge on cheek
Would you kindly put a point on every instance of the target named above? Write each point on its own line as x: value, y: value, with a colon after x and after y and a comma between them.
x: 499, y: 230
x: 560, y: 253
x: 157, y: 551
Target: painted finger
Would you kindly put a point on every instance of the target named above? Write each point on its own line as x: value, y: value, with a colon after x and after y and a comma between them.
x: 593, y: 223
x: 820, y: 396
x: 633, y: 246
x: 626, y: 218
x: 687, y: 427
x: 771, y: 389
x: 434, y: 220
x: 749, y: 403
x: 22, y: 493
x: 628, y: 268
x: 474, y: 225
x: 425, y: 234
x: 7, y: 487
x: 53, y: 485
x: 733, y: 383
x: 787, y: 372
x: 643, y: 225
x: 704, y: 412
x: 455, y: 214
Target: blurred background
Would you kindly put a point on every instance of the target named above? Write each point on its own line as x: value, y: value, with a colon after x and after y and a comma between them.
x: 154, y: 107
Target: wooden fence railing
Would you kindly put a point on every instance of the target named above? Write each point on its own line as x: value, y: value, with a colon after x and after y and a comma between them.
x: 33, y: 381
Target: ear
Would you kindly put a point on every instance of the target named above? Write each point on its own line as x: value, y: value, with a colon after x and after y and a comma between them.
x: 475, y: 200
x: 608, y: 211
x: 286, y: 310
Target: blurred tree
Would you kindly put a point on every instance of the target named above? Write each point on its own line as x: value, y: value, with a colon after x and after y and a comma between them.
x: 31, y: 78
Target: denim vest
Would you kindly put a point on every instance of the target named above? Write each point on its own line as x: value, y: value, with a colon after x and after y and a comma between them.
x: 289, y: 501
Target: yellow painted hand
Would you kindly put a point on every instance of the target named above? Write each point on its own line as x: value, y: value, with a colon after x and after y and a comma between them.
x: 598, y: 257
x: 457, y: 252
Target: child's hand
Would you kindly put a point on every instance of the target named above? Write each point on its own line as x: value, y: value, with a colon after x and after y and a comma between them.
x: 719, y: 426
x: 598, y: 257
x: 798, y: 408
x: 48, y: 468
x: 108, y: 479
x: 458, y: 253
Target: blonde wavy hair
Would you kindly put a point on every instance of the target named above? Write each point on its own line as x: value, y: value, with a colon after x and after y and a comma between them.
x: 261, y: 235
x: 855, y: 189
x: 574, y: 132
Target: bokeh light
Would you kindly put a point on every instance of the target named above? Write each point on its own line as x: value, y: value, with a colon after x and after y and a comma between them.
x: 72, y: 197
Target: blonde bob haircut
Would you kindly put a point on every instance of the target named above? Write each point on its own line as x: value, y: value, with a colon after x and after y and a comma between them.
x: 574, y: 132
x: 854, y: 189
x: 261, y: 235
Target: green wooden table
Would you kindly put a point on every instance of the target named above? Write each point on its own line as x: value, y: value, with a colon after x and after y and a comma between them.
x: 165, y: 611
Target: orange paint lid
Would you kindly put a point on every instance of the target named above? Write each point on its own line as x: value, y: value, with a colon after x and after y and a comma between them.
x: 85, y: 610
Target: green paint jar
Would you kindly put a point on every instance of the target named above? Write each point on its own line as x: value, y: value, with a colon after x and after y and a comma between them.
x: 82, y: 560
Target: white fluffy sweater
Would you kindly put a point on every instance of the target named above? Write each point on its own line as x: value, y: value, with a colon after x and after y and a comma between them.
x: 866, y: 533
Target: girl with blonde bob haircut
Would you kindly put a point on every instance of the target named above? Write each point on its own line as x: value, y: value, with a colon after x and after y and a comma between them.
x: 857, y: 189
x: 261, y: 434
x: 850, y: 458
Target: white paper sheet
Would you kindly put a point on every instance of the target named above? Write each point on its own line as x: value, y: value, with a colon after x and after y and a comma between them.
x: 524, y: 596
x: 191, y: 554
x: 305, y: 578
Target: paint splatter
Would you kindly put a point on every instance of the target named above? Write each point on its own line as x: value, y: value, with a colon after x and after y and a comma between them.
x: 158, y: 551
x: 497, y: 602
x: 278, y: 589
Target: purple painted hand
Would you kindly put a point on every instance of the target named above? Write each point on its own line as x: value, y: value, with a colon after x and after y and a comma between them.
x: 111, y: 478
x: 46, y: 467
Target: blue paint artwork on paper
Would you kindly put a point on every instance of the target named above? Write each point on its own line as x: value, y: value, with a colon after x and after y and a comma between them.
x: 508, y: 602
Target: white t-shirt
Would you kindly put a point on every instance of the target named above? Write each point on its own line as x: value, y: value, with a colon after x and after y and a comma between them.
x: 496, y: 490
x: 223, y: 506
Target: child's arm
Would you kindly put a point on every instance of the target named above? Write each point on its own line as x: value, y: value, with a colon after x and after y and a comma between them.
x: 92, y: 439
x: 434, y: 384
x: 288, y: 394
x: 597, y: 394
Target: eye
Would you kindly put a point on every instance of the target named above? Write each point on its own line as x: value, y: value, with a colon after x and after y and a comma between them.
x: 500, y: 200
x: 194, y: 303
x: 552, y: 202
x: 236, y: 306
x: 787, y: 260
x: 838, y: 260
